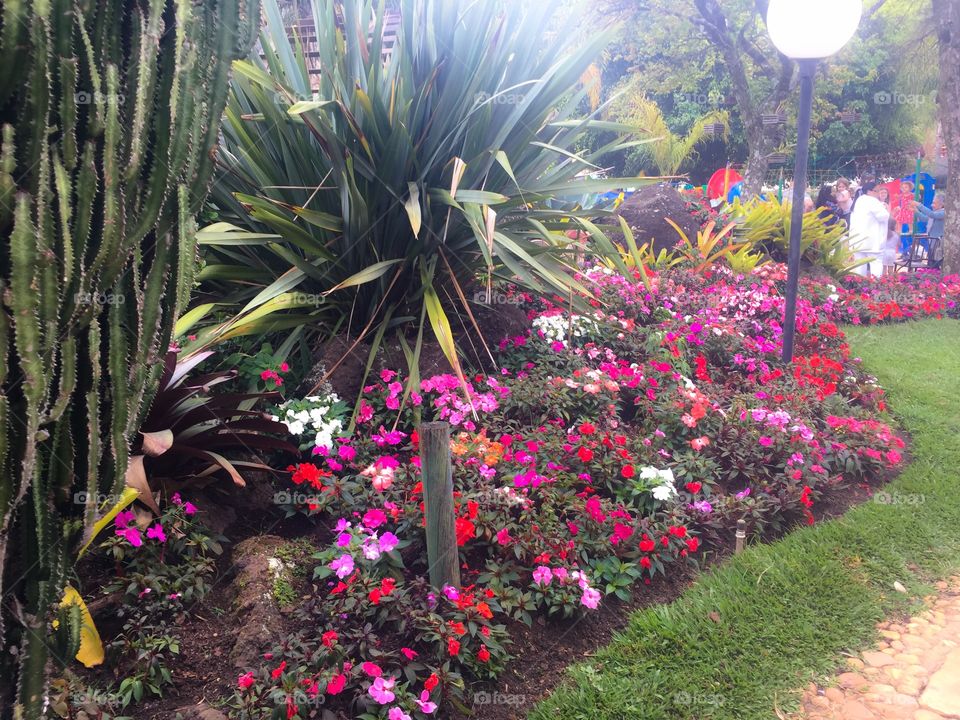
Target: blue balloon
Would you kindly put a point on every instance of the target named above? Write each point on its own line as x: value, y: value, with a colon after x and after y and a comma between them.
x: 735, y: 192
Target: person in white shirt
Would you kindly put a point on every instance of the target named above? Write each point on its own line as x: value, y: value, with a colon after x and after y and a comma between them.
x: 869, y: 222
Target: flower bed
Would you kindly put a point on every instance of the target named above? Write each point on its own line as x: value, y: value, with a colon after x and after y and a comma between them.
x: 607, y: 449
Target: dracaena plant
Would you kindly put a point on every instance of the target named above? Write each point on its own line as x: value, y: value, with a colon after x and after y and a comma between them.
x: 193, y: 436
x: 373, y: 192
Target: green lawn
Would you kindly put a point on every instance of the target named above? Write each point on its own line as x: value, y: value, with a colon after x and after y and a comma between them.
x: 787, y: 611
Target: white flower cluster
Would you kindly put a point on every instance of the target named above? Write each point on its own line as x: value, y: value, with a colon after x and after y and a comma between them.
x: 555, y: 327
x: 319, y: 418
x: 663, y: 481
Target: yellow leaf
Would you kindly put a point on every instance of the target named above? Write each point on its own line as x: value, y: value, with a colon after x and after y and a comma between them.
x: 128, y: 495
x: 91, y: 647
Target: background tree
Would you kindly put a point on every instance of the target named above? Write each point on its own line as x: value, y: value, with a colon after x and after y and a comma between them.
x: 947, y: 14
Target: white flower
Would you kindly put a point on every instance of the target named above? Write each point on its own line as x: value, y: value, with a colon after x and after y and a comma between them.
x: 664, y: 492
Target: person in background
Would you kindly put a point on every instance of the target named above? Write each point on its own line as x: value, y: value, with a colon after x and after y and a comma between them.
x: 844, y: 199
x: 892, y: 247
x: 903, y: 212
x: 885, y: 197
x: 826, y: 205
x: 808, y: 206
x: 936, y: 215
x: 869, y: 222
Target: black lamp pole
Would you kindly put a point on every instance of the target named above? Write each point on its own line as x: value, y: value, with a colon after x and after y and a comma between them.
x: 807, y: 70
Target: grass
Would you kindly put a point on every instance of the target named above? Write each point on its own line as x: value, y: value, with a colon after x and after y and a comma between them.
x: 747, y: 635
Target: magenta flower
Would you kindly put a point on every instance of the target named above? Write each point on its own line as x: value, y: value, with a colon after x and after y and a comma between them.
x: 374, y: 518
x: 346, y: 453
x: 155, y: 532
x: 343, y: 565
x: 397, y: 714
x: 189, y: 508
x: 131, y: 535
x: 503, y: 536
x: 344, y: 539
x: 124, y: 518
x: 451, y: 592
x: 766, y: 441
x: 388, y: 541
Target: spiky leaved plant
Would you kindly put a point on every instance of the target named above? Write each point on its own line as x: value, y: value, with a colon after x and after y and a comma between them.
x: 109, y: 111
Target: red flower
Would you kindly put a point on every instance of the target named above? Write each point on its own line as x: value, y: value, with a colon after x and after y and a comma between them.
x: 585, y: 454
x: 336, y: 684
x: 431, y: 682
x: 329, y: 638
x: 374, y: 596
x: 627, y: 471
x: 465, y: 529
x: 693, y: 487
x: 483, y: 655
x: 408, y: 653
x: 693, y: 544
x: 645, y: 563
x: 484, y: 610
x: 453, y: 647
x: 245, y: 681
x: 278, y: 671
x: 647, y: 545
x: 587, y: 429
x: 388, y: 585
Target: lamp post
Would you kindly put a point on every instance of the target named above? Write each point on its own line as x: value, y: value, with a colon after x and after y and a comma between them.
x: 798, y: 30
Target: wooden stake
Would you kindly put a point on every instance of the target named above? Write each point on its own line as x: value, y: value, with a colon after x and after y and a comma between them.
x: 741, y: 537
x: 442, y: 554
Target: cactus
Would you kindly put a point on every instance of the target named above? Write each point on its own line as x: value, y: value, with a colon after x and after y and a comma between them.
x: 109, y: 112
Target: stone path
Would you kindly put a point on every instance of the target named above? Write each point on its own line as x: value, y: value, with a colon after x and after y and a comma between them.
x: 912, y: 674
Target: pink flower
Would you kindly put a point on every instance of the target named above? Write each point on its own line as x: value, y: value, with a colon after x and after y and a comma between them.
x: 765, y: 441
x: 343, y: 565
x: 591, y: 598
x: 245, y: 681
x: 542, y: 575
x: 374, y: 518
x: 336, y: 684
x: 397, y: 714
x: 189, y: 508
x: 451, y: 593
x: 346, y: 452
x: 382, y: 690
x: 371, y: 669
x: 124, y: 518
x: 503, y: 536
x: 408, y: 653
x: 155, y: 532
x: 387, y: 375
x: 424, y: 703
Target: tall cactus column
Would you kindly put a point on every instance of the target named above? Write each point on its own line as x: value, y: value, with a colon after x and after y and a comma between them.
x: 109, y: 110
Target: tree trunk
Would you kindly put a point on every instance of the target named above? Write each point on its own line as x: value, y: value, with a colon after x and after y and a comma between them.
x: 947, y: 14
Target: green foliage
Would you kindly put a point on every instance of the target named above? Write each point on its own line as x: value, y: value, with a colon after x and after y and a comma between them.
x: 107, y: 113
x: 400, y: 187
x: 765, y: 225
x: 670, y: 151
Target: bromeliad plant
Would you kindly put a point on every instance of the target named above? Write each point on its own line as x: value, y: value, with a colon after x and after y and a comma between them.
x: 192, y: 436
x: 401, y: 183
x: 107, y: 115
